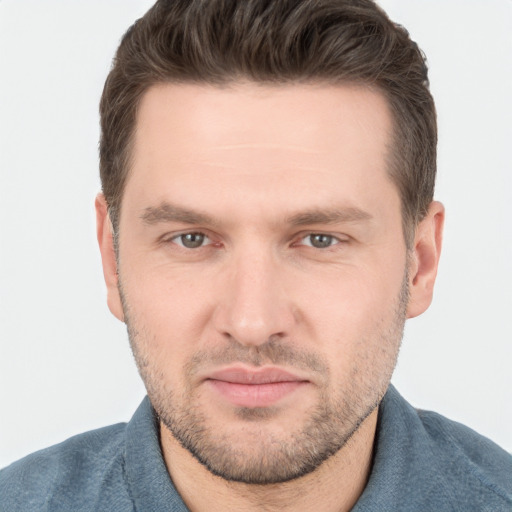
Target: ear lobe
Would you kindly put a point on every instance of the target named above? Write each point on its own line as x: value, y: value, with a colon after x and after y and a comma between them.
x: 424, y: 259
x: 108, y: 256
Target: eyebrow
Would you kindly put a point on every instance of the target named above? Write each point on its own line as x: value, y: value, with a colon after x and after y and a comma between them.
x: 334, y: 216
x: 167, y: 212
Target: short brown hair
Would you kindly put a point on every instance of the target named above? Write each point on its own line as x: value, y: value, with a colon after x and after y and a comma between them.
x: 275, y: 41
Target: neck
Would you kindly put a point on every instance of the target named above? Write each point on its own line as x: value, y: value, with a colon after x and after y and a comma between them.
x: 335, y: 486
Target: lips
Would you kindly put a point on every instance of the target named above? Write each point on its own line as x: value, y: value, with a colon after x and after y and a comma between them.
x: 254, y: 387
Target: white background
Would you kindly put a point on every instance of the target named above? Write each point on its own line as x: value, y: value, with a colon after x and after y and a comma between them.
x: 65, y: 364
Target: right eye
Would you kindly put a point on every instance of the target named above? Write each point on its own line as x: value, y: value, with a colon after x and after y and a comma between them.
x: 191, y: 240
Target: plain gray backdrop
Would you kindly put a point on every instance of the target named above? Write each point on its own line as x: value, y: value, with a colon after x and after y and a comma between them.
x: 65, y: 363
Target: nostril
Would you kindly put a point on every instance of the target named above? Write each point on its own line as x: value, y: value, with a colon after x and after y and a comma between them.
x: 254, y: 329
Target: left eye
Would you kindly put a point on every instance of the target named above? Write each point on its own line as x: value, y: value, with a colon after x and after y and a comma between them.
x: 319, y: 240
x: 191, y: 240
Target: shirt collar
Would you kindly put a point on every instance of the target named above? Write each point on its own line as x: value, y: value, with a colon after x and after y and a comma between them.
x: 404, y: 473
x: 150, y: 485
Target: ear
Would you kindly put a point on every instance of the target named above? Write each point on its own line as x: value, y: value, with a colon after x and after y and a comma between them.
x: 424, y: 260
x: 108, y: 256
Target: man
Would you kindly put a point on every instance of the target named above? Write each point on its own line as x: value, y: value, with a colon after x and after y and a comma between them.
x: 266, y: 226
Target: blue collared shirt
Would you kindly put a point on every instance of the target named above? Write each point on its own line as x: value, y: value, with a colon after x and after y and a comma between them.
x: 422, y: 462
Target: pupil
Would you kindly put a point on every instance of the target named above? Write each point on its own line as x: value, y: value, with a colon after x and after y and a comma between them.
x: 321, y: 241
x: 192, y: 240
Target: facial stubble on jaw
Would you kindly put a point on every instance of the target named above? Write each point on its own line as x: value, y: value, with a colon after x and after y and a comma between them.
x: 264, y: 458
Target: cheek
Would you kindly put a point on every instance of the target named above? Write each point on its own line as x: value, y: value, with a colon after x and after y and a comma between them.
x: 168, y: 311
x: 353, y: 309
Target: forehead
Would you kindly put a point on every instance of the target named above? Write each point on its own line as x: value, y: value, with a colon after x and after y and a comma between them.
x: 318, y: 114
x: 203, y: 140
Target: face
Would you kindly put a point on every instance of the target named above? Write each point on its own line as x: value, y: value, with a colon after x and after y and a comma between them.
x: 262, y: 270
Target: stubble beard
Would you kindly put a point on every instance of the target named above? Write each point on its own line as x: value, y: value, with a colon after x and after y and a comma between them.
x: 262, y: 457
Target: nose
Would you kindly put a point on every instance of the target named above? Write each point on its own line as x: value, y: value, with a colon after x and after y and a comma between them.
x: 253, y: 304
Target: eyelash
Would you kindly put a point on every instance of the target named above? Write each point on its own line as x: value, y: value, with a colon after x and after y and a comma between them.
x: 206, y: 240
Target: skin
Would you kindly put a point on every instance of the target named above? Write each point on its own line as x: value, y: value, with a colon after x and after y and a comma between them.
x: 259, y: 172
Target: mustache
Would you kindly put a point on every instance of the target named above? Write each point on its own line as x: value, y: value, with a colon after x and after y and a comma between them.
x: 272, y: 352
